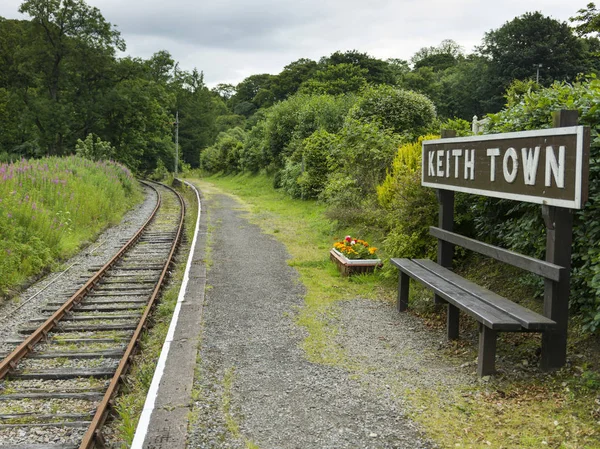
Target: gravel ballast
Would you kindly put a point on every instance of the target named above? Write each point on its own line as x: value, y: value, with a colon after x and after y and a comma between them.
x: 255, y: 387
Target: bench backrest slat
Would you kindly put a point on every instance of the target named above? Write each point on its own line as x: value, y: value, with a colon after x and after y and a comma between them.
x: 545, y: 269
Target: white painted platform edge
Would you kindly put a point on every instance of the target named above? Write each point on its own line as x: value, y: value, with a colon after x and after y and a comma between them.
x: 144, y: 422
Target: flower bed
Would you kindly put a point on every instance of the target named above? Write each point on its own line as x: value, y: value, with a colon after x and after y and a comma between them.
x: 354, y: 256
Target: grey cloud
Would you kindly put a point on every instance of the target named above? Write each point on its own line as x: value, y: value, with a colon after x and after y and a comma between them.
x: 231, y: 39
x: 232, y: 25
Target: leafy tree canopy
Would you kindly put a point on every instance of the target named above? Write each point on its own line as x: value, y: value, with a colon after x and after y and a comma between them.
x: 378, y: 71
x: 588, y: 20
x: 445, y: 55
x: 336, y: 79
x: 534, y: 41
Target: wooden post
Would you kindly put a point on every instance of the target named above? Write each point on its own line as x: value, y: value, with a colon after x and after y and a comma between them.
x: 486, y: 359
x: 403, y: 286
x: 559, y: 238
x: 445, y: 250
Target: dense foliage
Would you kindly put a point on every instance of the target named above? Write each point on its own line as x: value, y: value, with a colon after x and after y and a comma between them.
x: 49, y: 206
x: 60, y: 81
x: 520, y: 226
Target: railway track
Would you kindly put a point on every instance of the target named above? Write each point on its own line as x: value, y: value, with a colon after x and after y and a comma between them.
x: 58, y: 382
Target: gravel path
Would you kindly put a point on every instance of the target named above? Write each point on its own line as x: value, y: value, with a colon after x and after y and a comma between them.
x: 255, y: 387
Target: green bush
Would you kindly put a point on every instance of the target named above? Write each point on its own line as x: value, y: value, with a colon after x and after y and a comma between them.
x: 316, y: 153
x: 357, y: 164
x: 409, y: 208
x: 297, y: 118
x: 364, y: 152
x: 95, y: 150
x: 403, y: 111
x: 519, y: 226
x: 288, y: 179
x: 209, y: 160
x: 224, y: 155
x: 253, y: 155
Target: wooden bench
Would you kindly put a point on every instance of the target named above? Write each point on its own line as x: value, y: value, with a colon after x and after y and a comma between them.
x: 493, y: 312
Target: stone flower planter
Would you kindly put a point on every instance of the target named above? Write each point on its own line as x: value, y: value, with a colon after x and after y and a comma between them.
x: 349, y: 267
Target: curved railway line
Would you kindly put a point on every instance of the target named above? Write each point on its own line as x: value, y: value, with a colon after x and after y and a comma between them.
x: 58, y: 382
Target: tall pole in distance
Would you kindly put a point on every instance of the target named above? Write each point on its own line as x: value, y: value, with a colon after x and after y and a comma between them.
x: 176, y: 141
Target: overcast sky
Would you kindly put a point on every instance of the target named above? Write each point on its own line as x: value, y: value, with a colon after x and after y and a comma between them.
x: 231, y: 39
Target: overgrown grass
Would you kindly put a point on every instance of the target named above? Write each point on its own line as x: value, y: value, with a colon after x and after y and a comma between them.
x: 49, y: 207
x: 525, y: 409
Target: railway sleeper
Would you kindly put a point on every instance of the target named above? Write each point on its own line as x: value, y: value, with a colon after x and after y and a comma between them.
x: 82, y: 396
x: 91, y: 318
x: 115, y: 339
x: 84, y: 328
x: 71, y: 373
x: 130, y: 268
x: 115, y: 294
x: 41, y: 446
x: 100, y: 308
x: 45, y: 424
x: 119, y: 280
x: 97, y: 300
x: 111, y: 354
x: 48, y: 417
x: 122, y: 287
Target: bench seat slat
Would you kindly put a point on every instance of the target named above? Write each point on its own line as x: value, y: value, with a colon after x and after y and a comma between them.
x: 527, y: 318
x: 481, y: 311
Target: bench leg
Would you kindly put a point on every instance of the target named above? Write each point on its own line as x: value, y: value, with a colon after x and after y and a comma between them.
x: 438, y: 299
x: 403, y: 284
x: 452, y: 322
x: 486, y: 360
x: 554, y: 350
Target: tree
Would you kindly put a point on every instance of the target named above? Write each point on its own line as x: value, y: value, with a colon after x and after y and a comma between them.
x: 398, y: 68
x: 291, y: 77
x: 247, y: 90
x: 198, y: 113
x: 224, y: 90
x: 529, y: 42
x: 426, y: 81
x: 438, y: 58
x: 139, y: 124
x: 17, y: 138
x: 160, y: 67
x: 588, y: 20
x: 377, y: 71
x: 401, y: 111
x: 68, y: 49
x: 467, y: 89
x: 336, y: 80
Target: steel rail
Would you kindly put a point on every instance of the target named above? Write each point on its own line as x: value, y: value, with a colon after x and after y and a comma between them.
x: 93, y: 435
x: 10, y: 361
